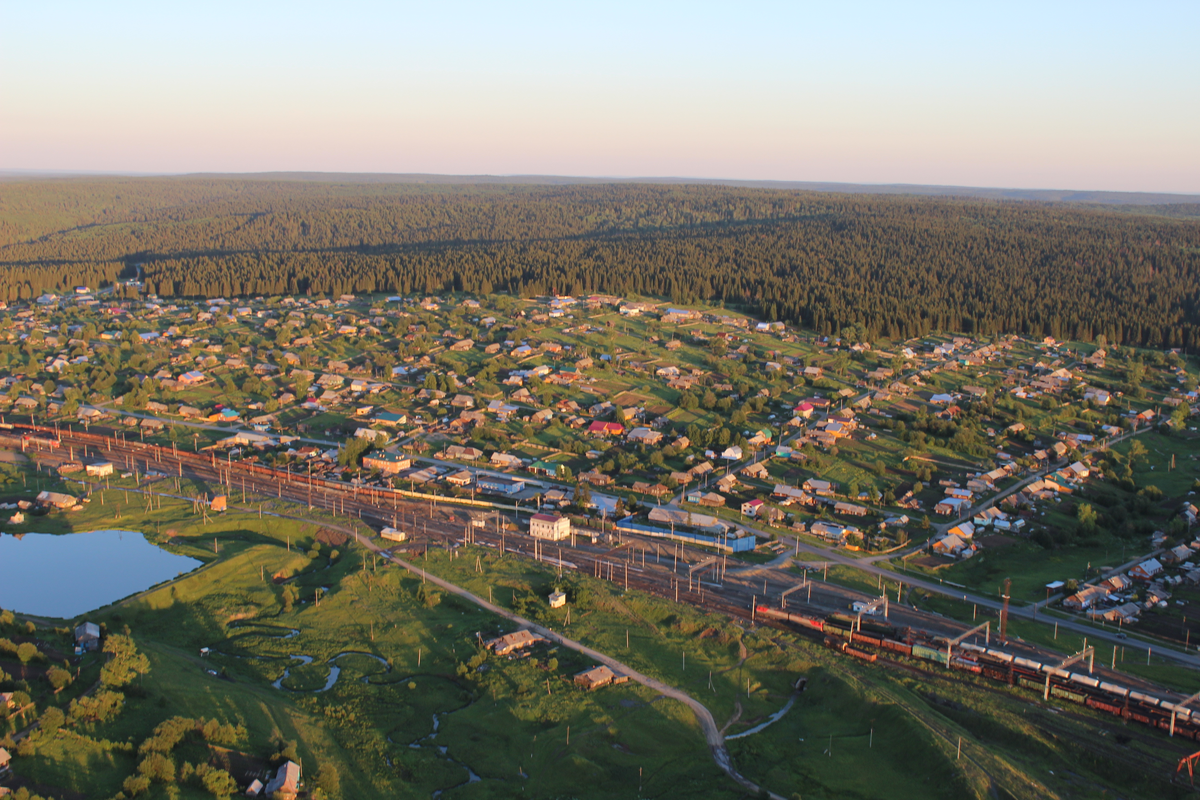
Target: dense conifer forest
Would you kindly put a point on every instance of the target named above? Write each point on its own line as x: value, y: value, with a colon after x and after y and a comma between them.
x: 900, y: 266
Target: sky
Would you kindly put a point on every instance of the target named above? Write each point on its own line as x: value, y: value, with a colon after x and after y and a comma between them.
x: 1055, y: 95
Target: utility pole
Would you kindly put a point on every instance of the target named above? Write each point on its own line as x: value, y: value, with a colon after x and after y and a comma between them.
x: 1004, y: 613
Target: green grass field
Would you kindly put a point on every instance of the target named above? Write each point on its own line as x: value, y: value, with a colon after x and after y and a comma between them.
x: 410, y: 663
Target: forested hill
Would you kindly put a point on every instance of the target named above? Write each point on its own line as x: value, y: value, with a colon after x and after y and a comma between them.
x: 902, y: 266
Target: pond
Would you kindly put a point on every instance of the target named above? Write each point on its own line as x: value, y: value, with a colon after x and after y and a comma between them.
x: 66, y: 576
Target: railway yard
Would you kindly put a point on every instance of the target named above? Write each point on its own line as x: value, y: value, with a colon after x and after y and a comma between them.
x: 889, y: 634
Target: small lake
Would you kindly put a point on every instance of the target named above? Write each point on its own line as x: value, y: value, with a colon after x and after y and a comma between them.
x: 66, y: 576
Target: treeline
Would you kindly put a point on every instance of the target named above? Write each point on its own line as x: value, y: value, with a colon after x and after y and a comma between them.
x: 898, y: 266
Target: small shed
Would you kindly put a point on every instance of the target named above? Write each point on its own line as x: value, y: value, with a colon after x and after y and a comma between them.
x: 5, y: 758
x: 393, y: 534
x: 100, y: 469
x: 558, y: 599
x: 219, y: 503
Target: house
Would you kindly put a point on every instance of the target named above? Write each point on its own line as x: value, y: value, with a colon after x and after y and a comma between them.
x: 644, y: 436
x: 653, y: 489
x: 193, y: 378
x: 387, y: 463
x: 596, y: 478
x: 751, y: 507
x: 818, y: 487
x: 1146, y: 570
x: 87, y: 636
x: 727, y: 482
x: 286, y: 783
x: 506, y: 460
x: 787, y: 495
x: 756, y: 470
x: 100, y: 469
x: 1125, y: 613
x: 549, y: 526
x: 461, y: 478
x: 832, y: 531
x: 949, y: 545
x: 510, y: 642
x: 5, y: 758
x: 606, y: 429
x: 1117, y: 583
x: 463, y: 453
x: 547, y: 468
x: 1086, y: 597
x: 950, y: 505
x: 1178, y: 554
x: 598, y: 677
x: 849, y: 509
x: 709, y: 499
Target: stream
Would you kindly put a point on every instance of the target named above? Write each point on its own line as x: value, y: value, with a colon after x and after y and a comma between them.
x: 778, y: 715
x: 443, y: 751
x: 335, y: 673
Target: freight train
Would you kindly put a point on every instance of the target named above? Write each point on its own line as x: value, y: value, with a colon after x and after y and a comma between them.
x: 869, y: 638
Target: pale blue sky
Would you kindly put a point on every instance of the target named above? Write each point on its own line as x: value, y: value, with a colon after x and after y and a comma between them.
x: 1083, y: 95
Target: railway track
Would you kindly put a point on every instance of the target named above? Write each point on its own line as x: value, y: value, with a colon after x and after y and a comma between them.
x: 627, y: 565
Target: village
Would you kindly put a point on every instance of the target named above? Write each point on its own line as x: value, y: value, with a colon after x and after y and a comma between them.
x: 700, y: 425
x: 948, y: 458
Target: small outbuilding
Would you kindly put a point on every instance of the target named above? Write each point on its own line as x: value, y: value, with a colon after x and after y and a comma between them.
x: 101, y: 469
x: 393, y: 534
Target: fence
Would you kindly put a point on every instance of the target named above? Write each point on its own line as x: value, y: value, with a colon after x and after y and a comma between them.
x: 739, y: 544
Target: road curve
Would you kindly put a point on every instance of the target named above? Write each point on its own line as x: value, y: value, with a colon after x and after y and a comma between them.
x: 716, y: 742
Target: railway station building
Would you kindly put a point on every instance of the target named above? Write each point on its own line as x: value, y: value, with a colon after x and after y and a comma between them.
x: 549, y: 526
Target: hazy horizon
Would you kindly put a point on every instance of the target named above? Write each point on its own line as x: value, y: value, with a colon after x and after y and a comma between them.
x: 1089, y: 97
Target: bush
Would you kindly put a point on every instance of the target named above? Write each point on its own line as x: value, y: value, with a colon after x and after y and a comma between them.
x: 51, y: 720
x: 58, y: 677
x: 158, y: 767
x: 27, y: 652
x: 136, y: 784
x: 329, y: 781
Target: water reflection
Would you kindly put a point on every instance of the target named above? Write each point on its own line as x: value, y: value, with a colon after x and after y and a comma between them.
x: 65, y: 576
